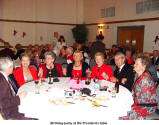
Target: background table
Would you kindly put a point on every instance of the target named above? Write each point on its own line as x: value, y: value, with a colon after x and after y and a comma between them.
x: 38, y: 105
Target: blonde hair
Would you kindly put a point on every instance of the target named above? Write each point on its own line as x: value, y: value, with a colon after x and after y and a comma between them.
x: 78, y: 52
x: 99, y: 54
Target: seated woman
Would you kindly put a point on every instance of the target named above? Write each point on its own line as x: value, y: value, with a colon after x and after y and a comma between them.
x: 78, y: 68
x: 144, y: 91
x: 44, y: 69
x: 101, y: 71
x: 25, y: 73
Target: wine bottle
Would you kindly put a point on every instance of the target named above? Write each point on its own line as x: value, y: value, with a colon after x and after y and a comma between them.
x: 117, y: 87
x: 88, y: 80
x: 50, y: 81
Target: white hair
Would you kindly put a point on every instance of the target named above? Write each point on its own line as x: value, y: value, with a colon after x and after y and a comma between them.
x: 122, y: 55
x: 5, y: 63
x: 70, y: 50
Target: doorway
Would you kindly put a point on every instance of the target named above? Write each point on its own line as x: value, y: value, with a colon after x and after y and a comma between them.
x: 131, y: 37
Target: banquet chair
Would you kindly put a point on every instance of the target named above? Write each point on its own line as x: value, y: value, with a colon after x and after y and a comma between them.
x: 60, y: 60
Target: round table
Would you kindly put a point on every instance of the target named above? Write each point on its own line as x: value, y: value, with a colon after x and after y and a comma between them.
x: 39, y: 106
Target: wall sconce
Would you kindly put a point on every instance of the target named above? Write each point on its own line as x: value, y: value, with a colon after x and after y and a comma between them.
x: 100, y: 28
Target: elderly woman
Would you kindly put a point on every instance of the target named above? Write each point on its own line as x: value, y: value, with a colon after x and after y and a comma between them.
x: 44, y: 69
x: 144, y: 91
x: 101, y: 71
x: 78, y: 68
x: 25, y: 73
x: 69, y: 53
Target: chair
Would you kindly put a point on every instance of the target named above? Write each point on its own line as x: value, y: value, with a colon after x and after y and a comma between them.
x: 60, y: 60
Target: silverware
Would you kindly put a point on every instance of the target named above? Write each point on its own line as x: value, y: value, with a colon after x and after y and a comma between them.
x: 70, y: 102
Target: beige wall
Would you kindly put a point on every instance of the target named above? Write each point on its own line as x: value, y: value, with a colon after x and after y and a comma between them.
x: 74, y: 12
x: 58, y: 11
x: 126, y: 11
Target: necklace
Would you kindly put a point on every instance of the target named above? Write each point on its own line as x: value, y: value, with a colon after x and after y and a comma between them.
x: 77, y: 65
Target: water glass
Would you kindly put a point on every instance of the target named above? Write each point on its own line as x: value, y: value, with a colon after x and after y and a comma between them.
x: 113, y: 92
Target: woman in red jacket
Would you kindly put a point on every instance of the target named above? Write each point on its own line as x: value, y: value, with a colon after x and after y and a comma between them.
x: 44, y: 69
x: 101, y: 71
x: 25, y: 73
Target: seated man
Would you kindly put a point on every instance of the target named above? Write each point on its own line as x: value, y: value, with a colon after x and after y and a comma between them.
x: 9, y: 101
x: 124, y: 72
x: 152, y: 69
x: 155, y: 59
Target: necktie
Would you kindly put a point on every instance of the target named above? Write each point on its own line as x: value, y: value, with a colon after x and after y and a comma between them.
x: 118, y: 71
x: 154, y: 61
x: 12, y: 86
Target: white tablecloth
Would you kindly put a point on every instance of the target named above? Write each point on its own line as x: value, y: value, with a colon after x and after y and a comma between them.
x: 38, y: 105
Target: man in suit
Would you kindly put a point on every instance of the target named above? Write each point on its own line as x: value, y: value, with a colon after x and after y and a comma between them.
x: 152, y: 68
x: 124, y: 72
x: 9, y: 101
x: 155, y: 59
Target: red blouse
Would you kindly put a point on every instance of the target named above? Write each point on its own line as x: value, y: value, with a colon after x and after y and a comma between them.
x: 130, y: 60
x: 98, y: 72
x: 77, y: 73
x: 19, y: 76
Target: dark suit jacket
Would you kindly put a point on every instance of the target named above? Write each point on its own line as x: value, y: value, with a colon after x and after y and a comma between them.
x: 126, y: 72
x: 70, y: 68
x: 97, y: 46
x: 8, y: 102
x: 153, y: 73
x: 157, y: 62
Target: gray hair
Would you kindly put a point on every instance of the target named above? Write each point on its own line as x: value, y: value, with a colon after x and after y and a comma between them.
x: 52, y: 54
x: 5, y: 63
x: 70, y: 50
x: 122, y: 55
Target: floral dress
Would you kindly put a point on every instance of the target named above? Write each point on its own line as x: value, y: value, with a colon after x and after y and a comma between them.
x: 144, y: 94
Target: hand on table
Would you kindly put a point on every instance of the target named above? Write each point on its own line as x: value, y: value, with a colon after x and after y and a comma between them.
x: 123, y: 80
x: 40, y: 74
x: 114, y: 79
x: 88, y: 72
x: 22, y: 95
x: 105, y: 76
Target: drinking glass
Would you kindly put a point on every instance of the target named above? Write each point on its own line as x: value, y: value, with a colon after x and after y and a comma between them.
x: 37, y: 87
x: 113, y: 92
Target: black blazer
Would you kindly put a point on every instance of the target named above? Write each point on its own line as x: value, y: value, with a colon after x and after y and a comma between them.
x: 8, y: 102
x: 70, y: 68
x: 157, y: 62
x: 126, y: 72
